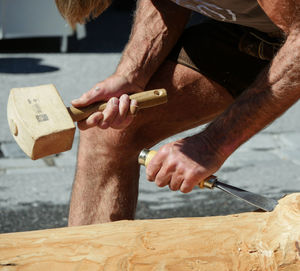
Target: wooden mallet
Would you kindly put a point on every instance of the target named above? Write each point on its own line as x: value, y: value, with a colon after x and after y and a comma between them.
x: 42, y: 125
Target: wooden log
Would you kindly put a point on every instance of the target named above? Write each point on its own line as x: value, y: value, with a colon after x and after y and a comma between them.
x: 248, y: 241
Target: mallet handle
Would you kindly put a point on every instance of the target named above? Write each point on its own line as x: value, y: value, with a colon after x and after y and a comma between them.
x: 144, y: 99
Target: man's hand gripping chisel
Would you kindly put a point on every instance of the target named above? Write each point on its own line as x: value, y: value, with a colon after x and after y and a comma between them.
x: 211, y: 182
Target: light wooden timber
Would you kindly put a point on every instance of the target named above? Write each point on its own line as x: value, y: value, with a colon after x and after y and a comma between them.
x: 42, y: 125
x: 241, y: 242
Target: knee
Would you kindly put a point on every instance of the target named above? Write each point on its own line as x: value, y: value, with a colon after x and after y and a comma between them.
x: 109, y: 142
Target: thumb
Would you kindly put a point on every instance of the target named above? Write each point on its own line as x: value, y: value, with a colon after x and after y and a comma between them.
x: 93, y: 95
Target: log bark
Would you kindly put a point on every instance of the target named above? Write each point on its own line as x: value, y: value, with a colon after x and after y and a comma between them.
x: 248, y: 241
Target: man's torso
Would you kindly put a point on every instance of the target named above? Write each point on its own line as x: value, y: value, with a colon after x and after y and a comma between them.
x: 242, y: 12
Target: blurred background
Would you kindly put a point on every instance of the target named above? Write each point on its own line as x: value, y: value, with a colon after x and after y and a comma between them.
x: 36, y: 26
x: 38, y: 47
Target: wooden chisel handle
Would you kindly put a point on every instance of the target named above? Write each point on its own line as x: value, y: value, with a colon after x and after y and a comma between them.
x: 144, y: 99
x: 146, y: 156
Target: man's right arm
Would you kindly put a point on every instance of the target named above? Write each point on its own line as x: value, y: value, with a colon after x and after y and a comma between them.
x: 157, y: 26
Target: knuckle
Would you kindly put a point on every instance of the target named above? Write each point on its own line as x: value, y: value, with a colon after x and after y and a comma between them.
x: 150, y: 175
x: 172, y: 162
x: 103, y: 125
x: 174, y: 186
x: 164, y: 149
x: 150, y: 178
x: 124, y: 97
x: 161, y: 180
x: 82, y: 126
x: 98, y: 88
x: 185, y: 190
x: 114, y: 102
x: 160, y: 183
x: 124, y: 106
x: 192, y: 174
x: 190, y: 181
x: 91, y: 122
x: 186, y: 187
x: 110, y: 111
x: 114, y: 109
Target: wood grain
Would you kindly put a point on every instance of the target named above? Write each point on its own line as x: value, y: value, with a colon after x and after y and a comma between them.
x: 248, y: 241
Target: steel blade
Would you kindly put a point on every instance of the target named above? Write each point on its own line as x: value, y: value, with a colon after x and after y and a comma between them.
x: 264, y: 203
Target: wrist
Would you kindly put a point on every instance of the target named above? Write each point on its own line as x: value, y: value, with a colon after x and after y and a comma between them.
x: 218, y: 142
x: 133, y: 75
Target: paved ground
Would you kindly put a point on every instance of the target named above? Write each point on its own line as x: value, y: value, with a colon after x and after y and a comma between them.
x: 35, y: 194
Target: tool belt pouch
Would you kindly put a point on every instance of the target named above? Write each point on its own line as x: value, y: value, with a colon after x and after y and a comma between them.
x: 255, y: 45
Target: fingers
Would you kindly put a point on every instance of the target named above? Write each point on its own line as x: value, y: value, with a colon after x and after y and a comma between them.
x: 162, y: 171
x: 189, y: 183
x: 177, y: 171
x: 109, y: 113
x: 125, y: 114
x: 94, y: 119
x: 117, y: 114
x: 176, y: 181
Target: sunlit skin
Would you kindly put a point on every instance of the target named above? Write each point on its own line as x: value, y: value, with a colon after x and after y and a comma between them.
x: 106, y: 184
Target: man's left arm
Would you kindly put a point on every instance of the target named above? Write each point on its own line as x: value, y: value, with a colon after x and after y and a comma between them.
x: 275, y: 90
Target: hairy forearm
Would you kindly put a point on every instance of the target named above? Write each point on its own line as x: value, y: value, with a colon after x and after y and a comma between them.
x: 157, y: 26
x: 276, y: 89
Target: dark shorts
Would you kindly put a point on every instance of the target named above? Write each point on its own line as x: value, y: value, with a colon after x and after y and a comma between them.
x: 229, y: 54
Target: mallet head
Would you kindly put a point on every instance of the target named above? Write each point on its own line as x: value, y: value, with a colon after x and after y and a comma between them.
x: 39, y: 121
x: 42, y: 125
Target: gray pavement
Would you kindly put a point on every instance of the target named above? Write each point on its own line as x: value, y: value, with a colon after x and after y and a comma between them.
x: 35, y: 194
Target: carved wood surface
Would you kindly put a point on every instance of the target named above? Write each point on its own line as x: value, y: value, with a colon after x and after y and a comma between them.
x: 248, y: 241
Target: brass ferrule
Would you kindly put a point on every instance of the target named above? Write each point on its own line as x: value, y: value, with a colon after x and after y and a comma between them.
x: 209, y: 182
x: 143, y: 156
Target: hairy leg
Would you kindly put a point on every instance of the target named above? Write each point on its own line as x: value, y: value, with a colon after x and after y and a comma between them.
x: 106, y: 183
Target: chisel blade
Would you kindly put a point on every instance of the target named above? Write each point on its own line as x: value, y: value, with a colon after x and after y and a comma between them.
x: 261, y: 202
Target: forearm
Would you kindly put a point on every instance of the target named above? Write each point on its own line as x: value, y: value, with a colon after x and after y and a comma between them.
x: 157, y: 26
x: 273, y: 93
